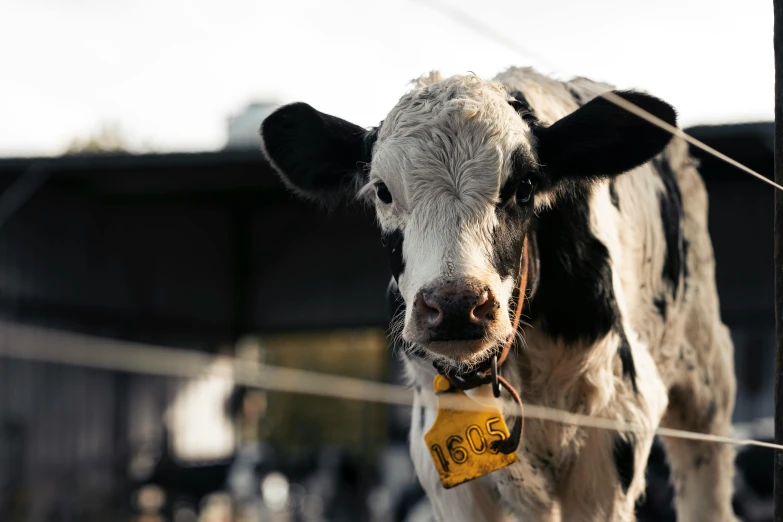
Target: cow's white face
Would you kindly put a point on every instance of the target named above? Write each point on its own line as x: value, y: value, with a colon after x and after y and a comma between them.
x: 441, y: 158
x: 456, y: 174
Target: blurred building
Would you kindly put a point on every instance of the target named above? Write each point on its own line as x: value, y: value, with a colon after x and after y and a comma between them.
x: 243, y: 127
x: 200, y: 251
x: 741, y: 225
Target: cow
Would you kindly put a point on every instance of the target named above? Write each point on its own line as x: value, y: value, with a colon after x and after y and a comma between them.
x: 527, y: 191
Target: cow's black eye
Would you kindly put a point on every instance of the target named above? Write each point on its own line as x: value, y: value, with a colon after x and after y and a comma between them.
x: 525, y: 191
x: 383, y: 193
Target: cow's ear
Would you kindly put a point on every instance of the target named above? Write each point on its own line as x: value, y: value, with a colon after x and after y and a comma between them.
x: 321, y: 157
x: 601, y: 139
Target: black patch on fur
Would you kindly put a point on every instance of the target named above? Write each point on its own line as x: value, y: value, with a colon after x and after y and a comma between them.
x: 522, y: 179
x: 320, y: 155
x: 660, y: 304
x: 576, y: 95
x: 623, y: 454
x: 508, y: 237
x: 670, y: 203
x: 613, y: 195
x: 393, y: 242
x: 422, y: 417
x: 601, y: 139
x: 575, y: 298
x: 523, y: 108
x: 626, y: 358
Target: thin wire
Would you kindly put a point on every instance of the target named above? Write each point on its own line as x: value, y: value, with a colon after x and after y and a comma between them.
x: 630, y: 107
x: 49, y: 346
x: 470, y: 22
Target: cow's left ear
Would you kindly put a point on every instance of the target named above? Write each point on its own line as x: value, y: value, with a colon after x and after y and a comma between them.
x: 321, y: 157
x: 601, y: 139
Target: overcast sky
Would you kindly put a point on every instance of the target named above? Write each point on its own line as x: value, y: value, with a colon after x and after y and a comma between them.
x: 170, y: 72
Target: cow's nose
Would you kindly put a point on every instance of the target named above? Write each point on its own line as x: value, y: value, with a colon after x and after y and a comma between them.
x: 456, y: 308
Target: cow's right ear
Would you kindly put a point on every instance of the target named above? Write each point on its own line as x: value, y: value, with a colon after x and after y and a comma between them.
x: 601, y: 139
x: 321, y: 157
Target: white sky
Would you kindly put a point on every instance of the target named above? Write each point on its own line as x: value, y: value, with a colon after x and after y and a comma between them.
x: 171, y: 71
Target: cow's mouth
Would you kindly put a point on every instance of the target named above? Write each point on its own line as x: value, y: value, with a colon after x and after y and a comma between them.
x: 460, y: 348
x: 463, y: 355
x: 469, y: 334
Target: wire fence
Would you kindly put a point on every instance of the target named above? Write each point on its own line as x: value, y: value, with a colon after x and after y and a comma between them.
x: 83, y: 351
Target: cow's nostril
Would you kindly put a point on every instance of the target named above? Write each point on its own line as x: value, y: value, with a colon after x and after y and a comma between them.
x: 429, y: 309
x: 485, y: 307
x: 456, y: 311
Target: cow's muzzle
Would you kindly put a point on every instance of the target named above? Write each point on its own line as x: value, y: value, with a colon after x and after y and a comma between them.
x: 456, y: 311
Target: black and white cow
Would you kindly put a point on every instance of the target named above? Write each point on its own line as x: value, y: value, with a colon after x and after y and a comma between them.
x: 621, y: 310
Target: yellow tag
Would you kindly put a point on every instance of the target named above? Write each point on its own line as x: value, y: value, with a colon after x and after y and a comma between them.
x: 459, y: 440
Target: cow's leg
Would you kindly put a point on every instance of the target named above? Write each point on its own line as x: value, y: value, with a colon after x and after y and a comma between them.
x: 528, y: 491
x: 606, y: 479
x: 702, y: 400
x: 590, y: 493
x: 607, y: 476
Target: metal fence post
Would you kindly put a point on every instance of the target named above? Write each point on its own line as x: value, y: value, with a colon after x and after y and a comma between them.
x: 778, y: 465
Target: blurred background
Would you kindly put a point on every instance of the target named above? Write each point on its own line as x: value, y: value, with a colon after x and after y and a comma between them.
x: 137, y: 212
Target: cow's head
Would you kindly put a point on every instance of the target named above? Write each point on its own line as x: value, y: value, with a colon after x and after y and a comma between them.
x: 456, y: 173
